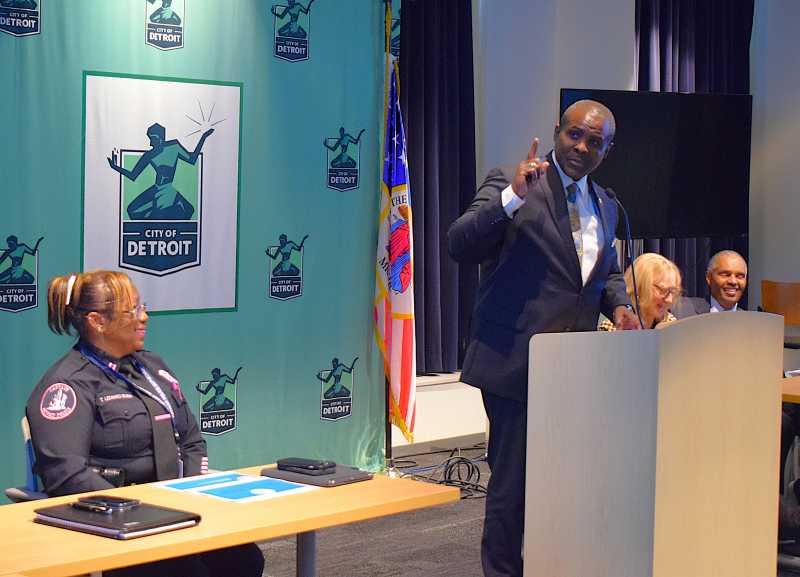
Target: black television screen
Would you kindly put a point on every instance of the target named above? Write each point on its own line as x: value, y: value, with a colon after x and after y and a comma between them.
x: 680, y: 164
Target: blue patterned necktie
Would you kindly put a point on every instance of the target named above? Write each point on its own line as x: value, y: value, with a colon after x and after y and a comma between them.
x: 575, y: 220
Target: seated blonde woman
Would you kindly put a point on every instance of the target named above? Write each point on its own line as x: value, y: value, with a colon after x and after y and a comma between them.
x: 658, y: 282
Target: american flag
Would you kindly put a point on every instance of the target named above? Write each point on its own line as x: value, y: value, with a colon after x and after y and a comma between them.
x: 394, y: 271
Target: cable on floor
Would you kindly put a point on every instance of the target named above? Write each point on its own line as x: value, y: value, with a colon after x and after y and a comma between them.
x: 455, y: 471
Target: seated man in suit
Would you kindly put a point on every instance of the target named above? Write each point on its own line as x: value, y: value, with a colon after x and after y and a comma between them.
x: 727, y: 279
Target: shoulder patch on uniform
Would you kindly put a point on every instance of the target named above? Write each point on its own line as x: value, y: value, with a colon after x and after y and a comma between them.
x: 173, y: 380
x: 58, y: 402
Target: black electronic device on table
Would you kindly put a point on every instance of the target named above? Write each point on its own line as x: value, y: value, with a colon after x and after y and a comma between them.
x: 340, y: 475
x: 115, y: 517
x: 104, y: 503
x: 307, y: 466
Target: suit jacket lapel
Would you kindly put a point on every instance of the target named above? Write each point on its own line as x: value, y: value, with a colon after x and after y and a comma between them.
x: 556, y: 198
x: 608, y: 234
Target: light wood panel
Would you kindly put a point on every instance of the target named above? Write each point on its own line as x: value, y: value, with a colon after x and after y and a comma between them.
x: 655, y: 453
x: 40, y: 551
x: 782, y: 298
x: 791, y: 390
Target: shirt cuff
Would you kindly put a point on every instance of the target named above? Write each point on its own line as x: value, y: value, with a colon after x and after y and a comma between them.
x: 511, y: 202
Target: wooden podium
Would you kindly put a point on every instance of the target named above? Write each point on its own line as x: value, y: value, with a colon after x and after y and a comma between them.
x: 655, y: 453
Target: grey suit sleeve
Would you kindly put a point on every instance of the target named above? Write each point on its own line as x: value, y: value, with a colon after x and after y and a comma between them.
x: 615, y: 293
x: 479, y: 231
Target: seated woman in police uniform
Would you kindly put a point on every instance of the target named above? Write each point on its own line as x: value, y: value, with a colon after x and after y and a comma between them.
x: 109, y: 413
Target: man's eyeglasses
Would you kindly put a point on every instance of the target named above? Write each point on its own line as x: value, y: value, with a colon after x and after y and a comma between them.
x: 664, y: 292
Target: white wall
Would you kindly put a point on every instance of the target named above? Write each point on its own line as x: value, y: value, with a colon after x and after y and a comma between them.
x: 450, y: 414
x: 526, y: 51
x: 774, y: 190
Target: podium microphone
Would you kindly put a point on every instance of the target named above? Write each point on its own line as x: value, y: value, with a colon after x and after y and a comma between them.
x: 613, y: 196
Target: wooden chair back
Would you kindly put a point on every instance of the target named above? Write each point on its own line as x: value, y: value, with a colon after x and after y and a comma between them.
x: 782, y: 298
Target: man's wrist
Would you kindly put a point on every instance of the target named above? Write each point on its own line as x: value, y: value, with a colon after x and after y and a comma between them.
x: 510, y: 201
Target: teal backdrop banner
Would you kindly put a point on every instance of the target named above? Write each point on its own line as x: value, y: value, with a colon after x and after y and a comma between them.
x: 227, y: 157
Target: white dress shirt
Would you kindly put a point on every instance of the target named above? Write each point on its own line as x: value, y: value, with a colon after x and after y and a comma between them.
x: 716, y: 307
x: 591, y: 227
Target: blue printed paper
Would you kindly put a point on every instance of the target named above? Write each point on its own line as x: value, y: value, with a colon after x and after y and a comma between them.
x: 201, y: 481
x: 255, y: 490
x: 233, y: 486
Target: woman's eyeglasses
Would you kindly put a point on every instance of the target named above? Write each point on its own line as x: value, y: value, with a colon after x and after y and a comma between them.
x: 664, y: 292
x: 137, y: 311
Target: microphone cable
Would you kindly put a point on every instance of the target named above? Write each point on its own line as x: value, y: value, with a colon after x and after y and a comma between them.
x: 613, y: 195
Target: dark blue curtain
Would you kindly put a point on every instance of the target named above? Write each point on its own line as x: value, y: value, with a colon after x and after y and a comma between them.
x: 695, y: 46
x: 436, y: 99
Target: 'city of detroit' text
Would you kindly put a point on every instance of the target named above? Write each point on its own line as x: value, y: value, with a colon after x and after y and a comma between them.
x: 17, y: 298
x: 164, y: 37
x: 291, y: 48
x: 159, y: 247
x: 18, y: 22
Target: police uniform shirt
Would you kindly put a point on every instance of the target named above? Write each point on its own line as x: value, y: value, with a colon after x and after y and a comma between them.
x: 81, y: 416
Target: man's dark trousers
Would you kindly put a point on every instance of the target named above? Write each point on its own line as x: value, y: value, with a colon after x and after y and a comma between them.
x: 501, y: 546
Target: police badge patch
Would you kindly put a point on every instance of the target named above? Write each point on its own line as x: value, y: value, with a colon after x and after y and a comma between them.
x: 58, y: 402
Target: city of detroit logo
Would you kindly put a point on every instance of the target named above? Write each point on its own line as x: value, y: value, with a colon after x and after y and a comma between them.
x: 291, y: 30
x: 336, y: 390
x: 394, y: 35
x: 161, y: 193
x: 164, y: 25
x: 286, y: 277
x: 344, y: 155
x: 19, y: 17
x: 19, y: 271
x: 218, y: 402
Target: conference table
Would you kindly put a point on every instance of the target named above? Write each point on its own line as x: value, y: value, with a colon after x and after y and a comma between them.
x: 33, y: 550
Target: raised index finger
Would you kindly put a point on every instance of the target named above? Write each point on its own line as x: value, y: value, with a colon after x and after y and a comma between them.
x: 532, y: 151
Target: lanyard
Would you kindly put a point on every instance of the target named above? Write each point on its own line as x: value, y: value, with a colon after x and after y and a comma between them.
x: 159, y: 397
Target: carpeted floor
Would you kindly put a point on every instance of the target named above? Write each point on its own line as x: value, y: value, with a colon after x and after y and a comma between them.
x: 443, y: 540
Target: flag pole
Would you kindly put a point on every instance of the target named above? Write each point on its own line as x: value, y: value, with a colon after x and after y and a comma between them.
x: 391, y: 471
x: 389, y: 459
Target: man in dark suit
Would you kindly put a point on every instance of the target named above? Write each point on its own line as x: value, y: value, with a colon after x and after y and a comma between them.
x: 539, y: 274
x: 727, y: 279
